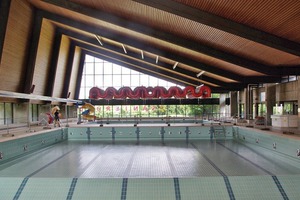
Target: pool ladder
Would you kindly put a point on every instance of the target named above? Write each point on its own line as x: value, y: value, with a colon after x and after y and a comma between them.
x: 217, y: 131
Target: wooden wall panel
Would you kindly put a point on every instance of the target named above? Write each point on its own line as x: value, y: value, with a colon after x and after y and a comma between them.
x: 43, y: 58
x: 61, y: 67
x: 74, y: 74
x: 15, y: 46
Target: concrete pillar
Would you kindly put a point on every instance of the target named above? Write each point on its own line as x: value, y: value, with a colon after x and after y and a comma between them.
x: 270, y: 100
x: 234, y: 104
x: 298, y: 91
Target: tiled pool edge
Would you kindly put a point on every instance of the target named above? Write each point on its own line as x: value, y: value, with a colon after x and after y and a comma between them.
x: 18, y: 147
x: 243, y: 187
x: 253, y: 138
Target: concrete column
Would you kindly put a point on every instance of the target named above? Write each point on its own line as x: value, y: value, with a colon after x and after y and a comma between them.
x: 270, y: 100
x: 234, y: 103
x: 298, y: 91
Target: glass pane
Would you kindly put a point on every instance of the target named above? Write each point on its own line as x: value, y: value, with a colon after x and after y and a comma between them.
x: 125, y: 70
x: 1, y: 113
x: 99, y: 82
x: 34, y: 112
x: 117, y: 111
x: 83, y: 81
x: 117, y: 81
x: 107, y: 68
x: 81, y: 93
x: 89, y: 68
x: 162, y: 83
x: 97, y: 60
x: 98, y: 68
x: 162, y: 110
x: 126, y: 80
x: 153, y: 81
x: 135, y: 111
x: 125, y: 111
x: 108, y: 111
x: 89, y: 58
x: 90, y: 81
x: 144, y: 80
x: 117, y: 69
x: 108, y: 80
x: 144, y: 110
x: 134, y: 72
x: 99, y: 111
x: 9, y: 114
x: 153, y: 111
x: 135, y: 80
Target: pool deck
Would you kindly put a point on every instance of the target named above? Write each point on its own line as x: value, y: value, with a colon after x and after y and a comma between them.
x: 24, y: 131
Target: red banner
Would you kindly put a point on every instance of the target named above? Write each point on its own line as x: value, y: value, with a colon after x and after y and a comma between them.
x: 150, y: 92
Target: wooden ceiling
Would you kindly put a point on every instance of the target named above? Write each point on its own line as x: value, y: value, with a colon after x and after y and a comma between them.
x: 223, y: 44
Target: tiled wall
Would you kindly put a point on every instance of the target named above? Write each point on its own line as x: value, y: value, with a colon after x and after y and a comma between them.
x: 21, y: 146
x: 143, y: 133
x: 256, y: 138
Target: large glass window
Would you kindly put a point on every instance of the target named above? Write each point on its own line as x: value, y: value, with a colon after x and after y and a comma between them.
x: 103, y: 74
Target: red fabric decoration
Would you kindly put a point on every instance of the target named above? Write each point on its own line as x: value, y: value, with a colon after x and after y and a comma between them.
x: 150, y: 92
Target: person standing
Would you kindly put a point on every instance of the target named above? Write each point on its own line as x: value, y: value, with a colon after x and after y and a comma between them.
x: 56, y: 118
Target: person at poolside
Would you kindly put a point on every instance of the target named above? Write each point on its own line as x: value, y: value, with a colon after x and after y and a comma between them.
x: 56, y: 118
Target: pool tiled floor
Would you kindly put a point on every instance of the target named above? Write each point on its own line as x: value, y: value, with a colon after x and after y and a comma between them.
x: 201, y: 169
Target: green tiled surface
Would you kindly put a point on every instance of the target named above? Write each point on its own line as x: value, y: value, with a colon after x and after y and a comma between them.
x: 9, y: 187
x: 203, y: 188
x: 247, y: 136
x: 15, y: 148
x: 150, y: 166
x: 291, y: 185
x: 107, y: 189
x: 149, y: 189
x: 254, y: 187
x: 46, y: 188
x: 206, y: 188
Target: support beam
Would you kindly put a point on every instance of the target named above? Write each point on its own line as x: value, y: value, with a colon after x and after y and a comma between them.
x: 185, y: 73
x: 224, y: 24
x: 165, y: 36
x: 142, y: 66
x: 69, y: 67
x: 32, y: 51
x: 53, y: 63
x: 4, y: 13
x: 79, y: 75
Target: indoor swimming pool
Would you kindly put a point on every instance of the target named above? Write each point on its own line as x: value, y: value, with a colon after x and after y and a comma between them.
x: 142, y: 162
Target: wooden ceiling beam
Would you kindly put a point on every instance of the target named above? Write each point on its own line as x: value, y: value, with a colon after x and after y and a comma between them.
x: 148, y: 60
x: 32, y: 52
x: 141, y: 45
x: 123, y: 60
x: 4, y: 12
x: 224, y: 24
x: 160, y: 34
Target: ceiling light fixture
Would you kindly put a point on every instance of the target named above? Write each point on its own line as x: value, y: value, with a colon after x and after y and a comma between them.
x: 142, y: 53
x: 200, y: 73
x: 124, y: 48
x: 156, y: 59
x: 175, y: 65
x: 99, y: 39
